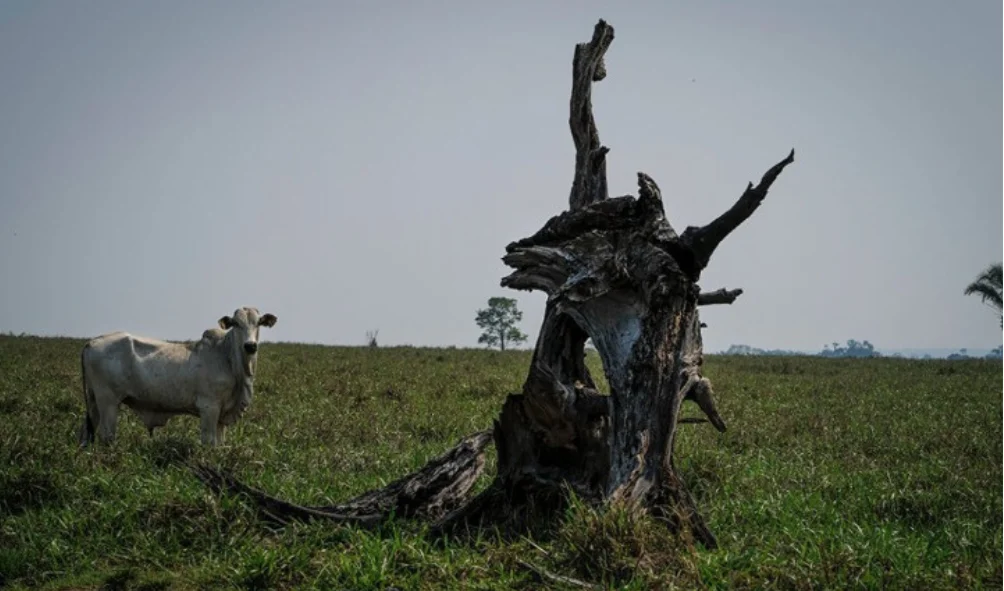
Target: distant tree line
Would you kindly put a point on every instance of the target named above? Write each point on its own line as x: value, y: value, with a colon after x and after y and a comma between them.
x: 989, y: 286
x: 853, y: 348
x: 748, y: 350
x: 993, y: 354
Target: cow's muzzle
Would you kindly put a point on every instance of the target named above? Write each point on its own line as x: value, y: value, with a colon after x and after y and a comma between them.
x: 250, y: 348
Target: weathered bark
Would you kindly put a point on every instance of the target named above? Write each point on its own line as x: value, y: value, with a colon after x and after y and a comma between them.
x: 615, y: 271
x: 430, y: 493
x: 590, y: 184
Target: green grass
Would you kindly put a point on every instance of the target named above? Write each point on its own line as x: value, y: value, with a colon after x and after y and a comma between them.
x: 833, y: 474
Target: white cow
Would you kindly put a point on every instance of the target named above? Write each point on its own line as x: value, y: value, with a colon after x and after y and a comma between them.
x: 212, y: 378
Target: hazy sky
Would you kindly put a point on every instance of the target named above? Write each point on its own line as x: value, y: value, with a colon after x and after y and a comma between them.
x: 351, y: 166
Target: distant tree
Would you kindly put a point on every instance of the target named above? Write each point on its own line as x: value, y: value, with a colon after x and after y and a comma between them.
x: 740, y: 350
x: 962, y: 354
x: 988, y: 287
x: 757, y: 352
x: 499, y: 321
x: 371, y: 338
x: 853, y: 349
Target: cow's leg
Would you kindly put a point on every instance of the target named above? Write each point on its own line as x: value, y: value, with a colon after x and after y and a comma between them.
x: 91, y: 417
x: 221, y: 434
x: 106, y: 410
x: 109, y: 418
x: 210, y: 418
x: 91, y: 423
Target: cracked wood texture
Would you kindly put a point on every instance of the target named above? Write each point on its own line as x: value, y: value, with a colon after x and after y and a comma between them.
x: 616, y: 271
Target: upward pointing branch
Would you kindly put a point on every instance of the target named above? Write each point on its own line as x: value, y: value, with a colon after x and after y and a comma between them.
x: 704, y: 240
x: 590, y: 184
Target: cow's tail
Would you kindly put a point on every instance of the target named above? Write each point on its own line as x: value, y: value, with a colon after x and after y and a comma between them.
x: 90, y: 404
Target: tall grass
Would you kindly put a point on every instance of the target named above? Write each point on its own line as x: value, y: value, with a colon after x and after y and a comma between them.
x: 834, y: 473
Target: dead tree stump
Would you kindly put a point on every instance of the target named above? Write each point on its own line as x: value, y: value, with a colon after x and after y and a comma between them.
x: 616, y: 271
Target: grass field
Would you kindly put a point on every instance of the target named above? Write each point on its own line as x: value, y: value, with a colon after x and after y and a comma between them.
x: 834, y: 473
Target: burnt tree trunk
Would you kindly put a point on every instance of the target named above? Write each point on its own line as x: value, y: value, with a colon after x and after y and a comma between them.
x: 616, y: 271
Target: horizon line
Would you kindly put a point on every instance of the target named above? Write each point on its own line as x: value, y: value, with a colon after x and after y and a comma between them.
x: 9, y: 333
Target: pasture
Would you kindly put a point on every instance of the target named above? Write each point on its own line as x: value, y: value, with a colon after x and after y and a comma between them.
x: 834, y: 473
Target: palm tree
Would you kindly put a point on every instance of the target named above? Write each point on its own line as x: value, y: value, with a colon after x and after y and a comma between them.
x: 988, y: 287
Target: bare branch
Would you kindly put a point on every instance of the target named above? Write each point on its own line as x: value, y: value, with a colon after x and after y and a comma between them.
x: 704, y: 240
x: 702, y: 394
x: 276, y: 510
x: 590, y: 184
x: 699, y: 390
x: 719, y: 296
x: 434, y: 490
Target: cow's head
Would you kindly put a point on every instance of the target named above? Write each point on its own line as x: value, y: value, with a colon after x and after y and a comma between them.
x: 244, y: 326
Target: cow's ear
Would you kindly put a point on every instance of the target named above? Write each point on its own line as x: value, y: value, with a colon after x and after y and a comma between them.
x: 268, y: 320
x: 226, y: 322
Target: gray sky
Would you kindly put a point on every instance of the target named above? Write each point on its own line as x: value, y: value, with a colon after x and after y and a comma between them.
x: 362, y: 165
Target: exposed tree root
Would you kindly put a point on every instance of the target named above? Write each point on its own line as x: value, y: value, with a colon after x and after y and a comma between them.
x: 429, y: 493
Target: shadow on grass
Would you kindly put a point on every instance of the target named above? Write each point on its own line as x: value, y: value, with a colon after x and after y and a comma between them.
x: 26, y: 490
x: 127, y: 580
x: 170, y: 451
